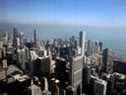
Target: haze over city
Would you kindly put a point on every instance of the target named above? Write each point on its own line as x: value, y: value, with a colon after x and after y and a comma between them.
x: 79, y: 12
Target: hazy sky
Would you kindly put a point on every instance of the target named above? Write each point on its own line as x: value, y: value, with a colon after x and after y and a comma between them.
x: 91, y: 12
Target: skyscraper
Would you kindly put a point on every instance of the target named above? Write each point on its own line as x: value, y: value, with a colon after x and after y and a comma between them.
x: 107, y: 65
x: 15, y: 35
x: 82, y: 41
x: 76, y: 71
x: 35, y: 38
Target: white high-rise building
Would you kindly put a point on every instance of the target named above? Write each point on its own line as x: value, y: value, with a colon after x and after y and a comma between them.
x: 82, y: 35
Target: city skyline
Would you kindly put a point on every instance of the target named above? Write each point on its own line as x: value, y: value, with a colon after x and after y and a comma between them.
x: 80, y: 12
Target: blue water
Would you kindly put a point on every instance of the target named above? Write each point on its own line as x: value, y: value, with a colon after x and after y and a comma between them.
x: 112, y: 38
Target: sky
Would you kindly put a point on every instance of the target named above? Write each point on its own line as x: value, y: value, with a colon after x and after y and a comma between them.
x: 85, y: 12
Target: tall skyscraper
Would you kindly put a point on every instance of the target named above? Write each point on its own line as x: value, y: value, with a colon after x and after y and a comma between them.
x: 76, y: 71
x: 15, y: 35
x: 35, y: 38
x: 82, y: 41
x: 107, y: 65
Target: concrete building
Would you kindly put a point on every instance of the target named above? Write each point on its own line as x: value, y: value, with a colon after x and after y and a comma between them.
x: 97, y: 86
x: 119, y: 66
x: 107, y: 65
x: 76, y: 71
